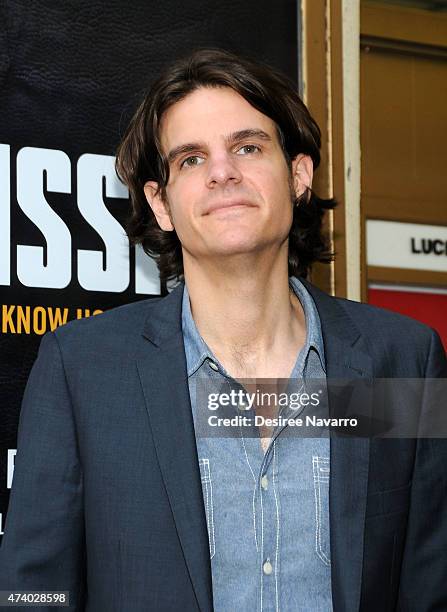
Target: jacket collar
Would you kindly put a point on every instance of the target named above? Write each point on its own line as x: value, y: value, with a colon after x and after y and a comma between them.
x: 164, y: 318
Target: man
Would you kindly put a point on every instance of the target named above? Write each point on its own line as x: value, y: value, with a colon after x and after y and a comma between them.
x: 117, y: 498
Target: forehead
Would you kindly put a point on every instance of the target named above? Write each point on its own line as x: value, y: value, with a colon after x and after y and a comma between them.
x: 210, y: 113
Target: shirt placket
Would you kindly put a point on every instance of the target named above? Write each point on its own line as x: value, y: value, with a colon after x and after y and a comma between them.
x: 271, y: 530
x: 267, y: 518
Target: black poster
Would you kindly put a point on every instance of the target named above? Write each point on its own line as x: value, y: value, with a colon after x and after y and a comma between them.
x: 71, y: 74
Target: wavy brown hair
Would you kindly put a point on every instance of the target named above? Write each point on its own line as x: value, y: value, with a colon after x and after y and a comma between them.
x: 140, y: 157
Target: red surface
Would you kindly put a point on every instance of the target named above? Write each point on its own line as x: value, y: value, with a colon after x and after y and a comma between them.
x: 430, y: 308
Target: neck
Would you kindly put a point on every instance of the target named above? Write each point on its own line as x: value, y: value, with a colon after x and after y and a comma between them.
x: 247, y: 314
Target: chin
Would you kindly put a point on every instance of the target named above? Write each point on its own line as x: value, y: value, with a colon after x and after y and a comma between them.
x: 245, y: 246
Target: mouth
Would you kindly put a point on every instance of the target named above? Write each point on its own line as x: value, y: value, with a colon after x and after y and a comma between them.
x: 236, y: 204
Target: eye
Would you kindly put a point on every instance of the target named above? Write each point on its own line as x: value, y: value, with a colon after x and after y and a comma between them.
x: 191, y: 161
x: 249, y: 148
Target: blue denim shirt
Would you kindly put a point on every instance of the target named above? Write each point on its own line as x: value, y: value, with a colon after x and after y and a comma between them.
x: 267, y: 512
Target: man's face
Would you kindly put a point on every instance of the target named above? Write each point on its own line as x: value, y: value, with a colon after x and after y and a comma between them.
x: 230, y: 190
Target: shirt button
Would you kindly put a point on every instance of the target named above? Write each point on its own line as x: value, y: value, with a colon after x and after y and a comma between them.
x: 267, y: 568
x: 213, y: 365
x: 265, y: 483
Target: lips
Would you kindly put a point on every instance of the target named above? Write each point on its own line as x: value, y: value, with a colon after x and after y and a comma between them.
x: 229, y: 204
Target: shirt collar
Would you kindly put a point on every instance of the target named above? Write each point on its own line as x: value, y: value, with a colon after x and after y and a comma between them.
x: 197, y: 351
x: 314, y: 335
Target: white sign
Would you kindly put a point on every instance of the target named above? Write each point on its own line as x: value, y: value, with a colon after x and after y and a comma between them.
x: 393, y: 244
x: 39, y: 171
x: 10, y: 473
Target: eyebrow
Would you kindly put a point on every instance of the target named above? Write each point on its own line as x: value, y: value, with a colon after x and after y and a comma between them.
x: 232, y: 138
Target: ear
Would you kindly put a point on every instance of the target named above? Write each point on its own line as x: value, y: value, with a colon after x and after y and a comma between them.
x: 158, y: 206
x: 302, y: 173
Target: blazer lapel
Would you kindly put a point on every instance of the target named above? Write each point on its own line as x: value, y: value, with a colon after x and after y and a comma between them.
x: 346, y: 359
x: 161, y: 366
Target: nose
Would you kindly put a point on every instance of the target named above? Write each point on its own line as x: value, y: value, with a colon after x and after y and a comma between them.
x: 222, y: 169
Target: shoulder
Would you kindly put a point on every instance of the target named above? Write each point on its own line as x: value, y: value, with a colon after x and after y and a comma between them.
x: 402, y: 340
x: 106, y: 343
x: 396, y: 343
x: 372, y: 319
x: 369, y: 320
x: 117, y: 325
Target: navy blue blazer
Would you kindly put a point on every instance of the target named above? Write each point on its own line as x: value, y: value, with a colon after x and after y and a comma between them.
x: 107, y: 502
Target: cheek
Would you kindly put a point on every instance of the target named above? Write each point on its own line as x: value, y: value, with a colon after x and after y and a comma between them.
x: 271, y: 181
x: 182, y: 202
x: 277, y: 193
x: 185, y: 188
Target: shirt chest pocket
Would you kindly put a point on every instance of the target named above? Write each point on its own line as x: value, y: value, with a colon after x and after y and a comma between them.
x: 207, y: 491
x: 321, y: 473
